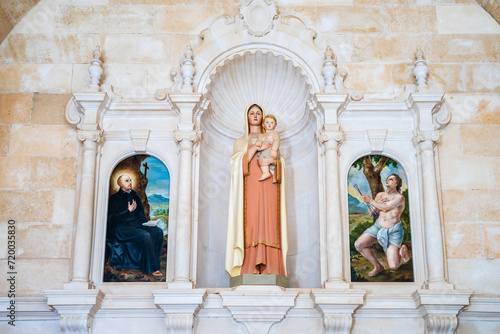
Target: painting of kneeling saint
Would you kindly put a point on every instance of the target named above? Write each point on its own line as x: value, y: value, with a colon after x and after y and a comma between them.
x: 137, y: 222
x: 379, y: 221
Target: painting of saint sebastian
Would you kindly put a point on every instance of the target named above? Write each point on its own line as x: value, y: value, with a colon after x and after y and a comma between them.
x: 257, y: 239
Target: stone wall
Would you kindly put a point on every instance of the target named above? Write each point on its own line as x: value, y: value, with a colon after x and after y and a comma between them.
x: 46, y: 56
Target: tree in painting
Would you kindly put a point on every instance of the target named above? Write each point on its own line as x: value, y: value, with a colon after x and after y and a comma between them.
x: 366, y: 177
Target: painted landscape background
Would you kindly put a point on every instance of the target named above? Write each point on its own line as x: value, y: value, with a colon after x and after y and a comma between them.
x: 375, y: 168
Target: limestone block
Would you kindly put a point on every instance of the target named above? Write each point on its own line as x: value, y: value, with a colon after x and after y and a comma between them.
x: 49, y: 109
x: 52, y: 173
x: 369, y: 78
x: 449, y: 146
x: 305, y: 12
x: 464, y: 240
x: 402, y: 74
x: 55, y: 140
x: 476, y: 274
x: 105, y: 19
x: 64, y: 206
x: 65, y: 48
x: 469, y: 172
x: 158, y: 2
x: 497, y: 171
x: 127, y: 79
x: 35, y: 78
x: 283, y: 3
x: 5, y: 24
x: 394, y: 48
x: 348, y: 19
x: 341, y: 46
x: 158, y: 76
x: 491, y: 237
x: 179, y: 45
x: 15, y: 108
x: 465, y: 20
x: 445, y: 78
x: 38, y: 275
x: 43, y: 241
x: 475, y: 108
x: 379, y: 2
x: 470, y: 205
x: 15, y: 172
x: 26, y: 206
x: 463, y: 48
x: 80, y: 79
x: 412, y: 19
x: 175, y: 19
x: 17, y: 9
x: 18, y: 48
x: 4, y: 139
x: 146, y: 48
x: 480, y: 139
x: 483, y: 78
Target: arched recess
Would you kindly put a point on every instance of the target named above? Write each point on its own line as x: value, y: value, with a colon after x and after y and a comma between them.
x: 409, y: 164
x: 283, y: 88
x: 106, y: 169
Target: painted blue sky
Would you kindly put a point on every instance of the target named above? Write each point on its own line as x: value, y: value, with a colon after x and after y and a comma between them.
x: 356, y: 176
x: 158, y: 176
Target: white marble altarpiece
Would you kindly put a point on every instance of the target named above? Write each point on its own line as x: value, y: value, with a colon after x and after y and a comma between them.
x: 259, y: 57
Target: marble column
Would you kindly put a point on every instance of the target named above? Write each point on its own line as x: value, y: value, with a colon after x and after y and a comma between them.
x: 335, y: 269
x: 432, y: 221
x: 83, y: 235
x: 182, y: 262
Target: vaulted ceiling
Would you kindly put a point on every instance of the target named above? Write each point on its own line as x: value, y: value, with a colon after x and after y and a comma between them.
x: 12, y: 11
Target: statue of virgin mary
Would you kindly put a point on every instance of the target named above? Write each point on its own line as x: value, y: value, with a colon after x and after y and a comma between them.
x: 257, y: 239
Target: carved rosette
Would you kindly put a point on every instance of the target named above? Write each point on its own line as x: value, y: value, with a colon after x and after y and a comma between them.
x: 258, y: 16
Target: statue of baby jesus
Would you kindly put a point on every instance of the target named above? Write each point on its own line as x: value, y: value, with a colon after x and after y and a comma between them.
x: 270, y: 139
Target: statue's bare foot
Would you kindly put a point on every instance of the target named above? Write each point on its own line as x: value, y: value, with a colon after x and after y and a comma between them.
x: 404, y: 254
x: 265, y: 176
x: 376, y: 271
x: 157, y: 273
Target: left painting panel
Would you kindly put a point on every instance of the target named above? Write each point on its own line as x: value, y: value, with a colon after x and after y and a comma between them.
x: 137, y: 221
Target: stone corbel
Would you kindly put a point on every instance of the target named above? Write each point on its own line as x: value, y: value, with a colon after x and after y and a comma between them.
x: 258, y: 307
x: 337, y: 308
x: 76, y: 308
x: 430, y: 111
x: 85, y: 110
x: 139, y: 139
x: 180, y: 308
x: 440, y: 308
x: 377, y: 140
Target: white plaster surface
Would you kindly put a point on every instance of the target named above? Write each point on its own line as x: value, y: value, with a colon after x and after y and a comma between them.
x: 479, y: 275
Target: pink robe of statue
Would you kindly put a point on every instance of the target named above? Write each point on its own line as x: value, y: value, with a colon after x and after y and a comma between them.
x: 262, y: 234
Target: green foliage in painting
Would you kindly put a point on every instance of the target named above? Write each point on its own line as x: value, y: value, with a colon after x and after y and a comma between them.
x: 358, y: 164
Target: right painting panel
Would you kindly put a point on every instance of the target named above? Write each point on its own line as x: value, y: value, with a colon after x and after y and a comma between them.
x: 379, y: 221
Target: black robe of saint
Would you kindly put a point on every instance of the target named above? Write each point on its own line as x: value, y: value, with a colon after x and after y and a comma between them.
x: 131, y: 244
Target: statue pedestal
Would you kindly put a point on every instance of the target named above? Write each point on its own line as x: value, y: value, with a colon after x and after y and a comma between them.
x: 248, y: 279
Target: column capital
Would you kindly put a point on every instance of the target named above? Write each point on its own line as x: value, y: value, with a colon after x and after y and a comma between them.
x: 192, y: 136
x: 426, y: 139
x: 329, y: 135
x: 89, y: 135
